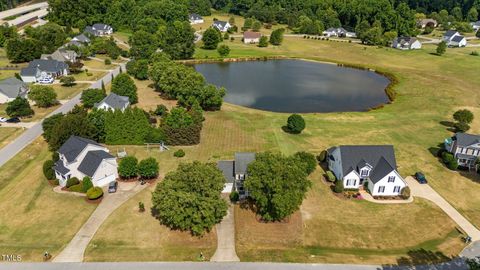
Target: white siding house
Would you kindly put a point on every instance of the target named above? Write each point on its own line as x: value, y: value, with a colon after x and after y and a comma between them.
x: 222, y: 25
x: 235, y: 172
x: 406, y: 43
x: 113, y: 102
x: 454, y: 39
x: 195, y: 18
x: 465, y: 148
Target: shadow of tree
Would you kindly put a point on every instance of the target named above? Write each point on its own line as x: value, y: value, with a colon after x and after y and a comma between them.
x: 423, y: 259
x: 449, y: 124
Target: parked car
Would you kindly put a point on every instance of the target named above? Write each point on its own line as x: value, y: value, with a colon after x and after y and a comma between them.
x: 13, y: 120
x: 3, y: 119
x: 46, y: 80
x: 421, y: 178
x: 112, y: 187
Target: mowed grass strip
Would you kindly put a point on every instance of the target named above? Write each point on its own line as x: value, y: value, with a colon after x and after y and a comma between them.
x: 8, y: 134
x: 34, y: 218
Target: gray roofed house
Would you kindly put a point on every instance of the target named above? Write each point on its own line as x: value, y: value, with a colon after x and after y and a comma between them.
x: 454, y: 39
x: 99, y: 29
x: 61, y: 55
x: 406, y: 43
x: 451, y: 33
x: 227, y: 167
x: 74, y: 146
x: 371, y: 165
x: 465, y: 148
x: 92, y: 161
x: 475, y: 25
x: 235, y: 172
x: 223, y: 26
x: 12, y: 88
x: 39, y: 68
x: 242, y: 160
x: 194, y: 18
x: 82, y: 38
x: 113, y: 102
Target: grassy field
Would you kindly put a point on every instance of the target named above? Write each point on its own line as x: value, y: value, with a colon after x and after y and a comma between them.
x: 95, y: 64
x: 69, y: 92
x: 35, y: 219
x: 92, y: 75
x: 8, y: 134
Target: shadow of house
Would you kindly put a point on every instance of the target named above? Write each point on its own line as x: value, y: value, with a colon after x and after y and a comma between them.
x: 421, y: 259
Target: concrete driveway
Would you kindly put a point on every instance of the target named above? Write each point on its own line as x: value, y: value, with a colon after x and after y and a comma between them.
x: 226, y: 239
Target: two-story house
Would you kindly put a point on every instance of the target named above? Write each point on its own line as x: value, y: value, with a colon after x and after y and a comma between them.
x: 235, y: 172
x: 465, y: 148
x: 222, y: 26
x: 80, y: 157
x: 113, y: 102
x: 371, y: 166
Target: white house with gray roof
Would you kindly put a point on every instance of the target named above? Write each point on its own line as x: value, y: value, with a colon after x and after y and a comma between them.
x: 372, y: 166
x: 465, y: 148
x: 99, y: 29
x: 12, y: 88
x: 406, y: 43
x: 235, y: 172
x: 194, y: 18
x: 80, y: 157
x: 475, y: 25
x: 113, y: 102
x: 222, y: 25
x: 43, y: 68
x: 454, y: 39
x: 61, y: 55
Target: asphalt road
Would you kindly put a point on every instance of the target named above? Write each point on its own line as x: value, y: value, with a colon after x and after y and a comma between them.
x: 23, y: 9
x: 10, y: 150
x: 454, y: 265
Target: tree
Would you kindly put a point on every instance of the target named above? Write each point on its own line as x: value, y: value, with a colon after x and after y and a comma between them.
x: 188, y: 199
x: 142, y: 44
x: 6, y: 33
x: 48, y: 171
x: 211, y: 38
x: 49, y: 123
x: 44, y: 96
x: 223, y: 50
x: 441, y: 48
x: 19, y: 107
x: 23, y: 49
x: 131, y: 126
x: 91, y: 96
x: 309, y: 26
x: 138, y: 69
x: 68, y: 81
x: 177, y: 40
x: 308, y: 160
x: 277, y: 185
x: 461, y: 127
x: 75, y: 123
x: 338, y: 186
x: 51, y: 36
x: 276, y: 37
x: 201, y: 7
x: 295, y: 124
x: 457, y: 14
x: 161, y: 110
x: 178, y: 118
x: 128, y: 167
x: 231, y: 20
x: 463, y: 116
x: 247, y: 24
x: 86, y: 184
x: 123, y: 85
x: 472, y: 15
x: 477, y: 34
x: 256, y: 26
x: 263, y: 42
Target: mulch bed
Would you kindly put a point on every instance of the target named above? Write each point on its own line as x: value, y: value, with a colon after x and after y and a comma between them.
x: 96, y: 201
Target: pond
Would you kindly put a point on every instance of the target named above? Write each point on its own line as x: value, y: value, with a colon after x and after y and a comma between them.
x: 297, y: 86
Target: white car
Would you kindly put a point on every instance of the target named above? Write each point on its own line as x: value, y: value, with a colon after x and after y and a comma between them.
x: 3, y: 119
x: 46, y: 80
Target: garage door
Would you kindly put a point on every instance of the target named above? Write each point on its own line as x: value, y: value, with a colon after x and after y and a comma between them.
x: 105, y: 181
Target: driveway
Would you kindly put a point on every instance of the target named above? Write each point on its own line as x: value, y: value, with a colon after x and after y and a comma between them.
x: 427, y: 192
x: 19, y: 125
x: 226, y: 239
x: 75, y: 250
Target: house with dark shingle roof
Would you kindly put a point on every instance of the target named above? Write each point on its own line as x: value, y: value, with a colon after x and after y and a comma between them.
x: 235, y: 172
x: 113, y: 102
x: 454, y: 39
x: 194, y: 18
x: 465, y: 148
x: 406, y: 43
x: 80, y: 157
x: 222, y: 25
x: 42, y: 68
x: 12, y: 88
x: 61, y: 55
x: 99, y: 29
x: 371, y: 166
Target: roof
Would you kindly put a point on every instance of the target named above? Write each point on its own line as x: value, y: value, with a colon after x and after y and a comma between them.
x: 82, y: 38
x: 13, y: 87
x: 241, y: 162
x: 353, y: 155
x: 251, y: 34
x: 61, y: 55
x: 29, y: 71
x: 74, y: 146
x: 227, y: 166
x: 381, y: 169
x: 92, y: 160
x: 115, y: 101
x: 465, y: 139
x: 458, y: 38
x: 195, y: 16
x: 426, y: 21
x: 404, y: 41
x: 336, y: 30
x: 220, y: 23
x: 48, y: 65
x: 450, y: 33
x: 60, y: 168
x: 101, y: 26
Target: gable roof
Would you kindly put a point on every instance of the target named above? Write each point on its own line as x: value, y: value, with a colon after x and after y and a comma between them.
x: 194, y: 16
x: 13, y: 87
x: 60, y: 168
x: 115, y: 101
x: 29, y: 71
x: 48, y: 65
x: 101, y: 26
x: 404, y: 41
x: 61, y: 55
x: 221, y: 24
x: 242, y: 160
x: 353, y: 155
x: 227, y: 167
x: 82, y: 38
x: 92, y: 160
x: 465, y: 139
x: 381, y: 169
x: 251, y: 34
x: 74, y: 146
x: 450, y: 33
x: 458, y: 38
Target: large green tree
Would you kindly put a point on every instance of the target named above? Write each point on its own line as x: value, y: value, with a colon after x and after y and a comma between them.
x: 276, y: 38
x: 51, y: 36
x: 91, y: 96
x: 23, y: 49
x: 123, y: 85
x: 75, y: 123
x: 142, y: 44
x: 177, y: 40
x: 43, y: 95
x: 211, y: 38
x: 19, y: 107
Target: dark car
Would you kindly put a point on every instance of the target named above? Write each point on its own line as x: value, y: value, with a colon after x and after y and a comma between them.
x: 420, y: 178
x: 112, y: 187
x: 13, y: 120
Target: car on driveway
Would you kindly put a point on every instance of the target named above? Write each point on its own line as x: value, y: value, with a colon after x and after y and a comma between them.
x: 421, y: 178
x: 3, y: 119
x: 112, y: 187
x: 13, y: 120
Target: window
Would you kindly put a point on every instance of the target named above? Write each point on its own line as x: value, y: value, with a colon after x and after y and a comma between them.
x: 348, y: 182
x: 396, y: 189
x: 381, y: 189
x: 364, y: 172
x: 391, y: 179
x: 354, y: 182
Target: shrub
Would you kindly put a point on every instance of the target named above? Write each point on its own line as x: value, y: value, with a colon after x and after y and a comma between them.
x: 108, y: 61
x: 19, y: 107
x: 447, y: 157
x: 76, y: 188
x: 405, y: 193
x: 127, y: 168
x: 463, y: 116
x: 141, y: 207
x: 338, y: 186
x: 223, y: 50
x: 94, y: 193
x: 322, y: 156
x: 179, y: 153
x: 72, y: 182
x: 475, y: 53
x: 234, y: 196
x: 48, y: 170
x: 452, y: 165
x: 148, y: 168
x: 295, y: 124
x: 161, y: 110
x: 86, y: 184
x: 331, y: 177
x: 68, y: 81
x: 461, y: 127
x: 308, y: 160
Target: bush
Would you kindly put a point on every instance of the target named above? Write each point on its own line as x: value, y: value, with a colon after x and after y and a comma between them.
x: 161, y: 110
x: 94, y: 193
x: 234, y: 196
x: 72, y: 182
x: 405, y: 193
x: 128, y: 167
x: 179, y: 153
x: 108, y: 61
x: 68, y: 81
x: 86, y: 184
x: 223, y: 50
x: 148, y: 168
x: 48, y: 170
x: 461, y: 127
x: 447, y: 157
x: 309, y: 161
x: 295, y: 124
x: 331, y: 177
x: 19, y: 107
x: 141, y: 207
x: 322, y: 156
x: 338, y: 186
x: 452, y: 165
x: 463, y: 116
x: 76, y: 188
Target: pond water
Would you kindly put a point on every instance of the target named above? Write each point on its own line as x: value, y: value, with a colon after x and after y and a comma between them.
x: 297, y: 86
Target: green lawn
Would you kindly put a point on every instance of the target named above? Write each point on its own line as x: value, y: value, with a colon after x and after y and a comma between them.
x: 64, y: 92
x: 8, y: 134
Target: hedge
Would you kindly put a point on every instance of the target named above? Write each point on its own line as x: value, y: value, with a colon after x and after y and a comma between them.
x: 338, y: 186
x: 94, y: 193
x: 179, y: 153
x: 72, y: 182
x: 48, y: 170
x: 330, y: 176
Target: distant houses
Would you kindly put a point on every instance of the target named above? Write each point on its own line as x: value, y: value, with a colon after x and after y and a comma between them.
x: 222, y: 26
x: 465, y: 148
x: 338, y: 32
x: 99, y: 29
x: 454, y: 39
x: 61, y: 55
x: 235, y: 172
x: 12, y: 88
x: 475, y: 25
x: 406, y: 43
x: 80, y: 157
x: 367, y: 166
x: 40, y: 69
x: 79, y: 40
x: 250, y: 37
x: 194, y: 18
x: 422, y: 23
x: 113, y: 102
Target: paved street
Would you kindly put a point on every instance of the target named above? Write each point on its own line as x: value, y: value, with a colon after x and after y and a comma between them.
x: 10, y: 150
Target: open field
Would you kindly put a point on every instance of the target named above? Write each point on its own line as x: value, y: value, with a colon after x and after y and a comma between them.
x: 35, y: 219
x: 64, y: 92
x: 8, y: 134
x: 92, y: 75
x: 95, y: 64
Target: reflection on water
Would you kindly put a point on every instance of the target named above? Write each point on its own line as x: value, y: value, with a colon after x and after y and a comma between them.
x: 297, y: 86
